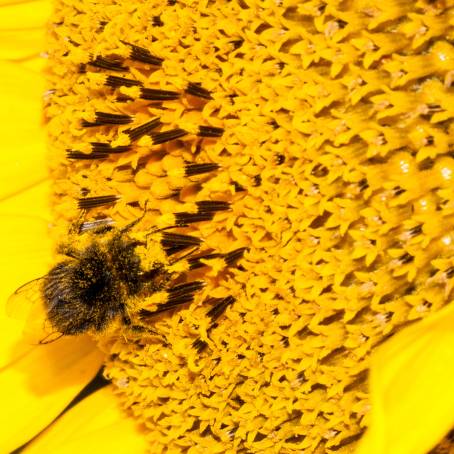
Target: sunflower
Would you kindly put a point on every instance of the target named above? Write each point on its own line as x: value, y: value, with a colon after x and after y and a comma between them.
x: 325, y: 128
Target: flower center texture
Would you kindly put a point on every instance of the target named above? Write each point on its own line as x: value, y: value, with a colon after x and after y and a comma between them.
x: 309, y: 145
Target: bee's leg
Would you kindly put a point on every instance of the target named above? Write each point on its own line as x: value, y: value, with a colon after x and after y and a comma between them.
x: 97, y: 226
x: 140, y: 329
x: 76, y: 225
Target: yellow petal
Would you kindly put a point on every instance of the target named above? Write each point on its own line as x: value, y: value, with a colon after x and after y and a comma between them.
x: 26, y: 254
x: 17, y: 45
x: 411, y: 388
x: 24, y: 15
x: 22, y: 162
x: 38, y: 386
x: 96, y: 424
x: 35, y: 63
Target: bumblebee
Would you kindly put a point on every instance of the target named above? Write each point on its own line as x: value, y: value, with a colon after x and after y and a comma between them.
x: 103, y: 279
x: 110, y: 276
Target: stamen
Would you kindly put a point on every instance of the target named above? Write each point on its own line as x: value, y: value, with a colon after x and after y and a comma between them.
x: 280, y: 158
x: 157, y: 22
x: 171, y: 240
x: 195, y: 89
x: 178, y: 295
x: 406, y: 258
x: 92, y: 202
x: 105, y: 118
x: 415, y: 230
x: 184, y: 289
x: 363, y: 184
x: 238, y: 187
x: 212, y: 206
x: 197, y: 169
x: 184, y: 218
x: 237, y: 43
x: 115, y: 81
x: 112, y: 63
x: 199, y: 345
x: 215, y: 312
x: 143, y: 55
x: 235, y: 255
x: 167, y: 136
x: 210, y: 131
x: 70, y: 154
x: 142, y: 130
x: 301, y: 376
x: 195, y: 262
x: 102, y: 147
x: 153, y: 94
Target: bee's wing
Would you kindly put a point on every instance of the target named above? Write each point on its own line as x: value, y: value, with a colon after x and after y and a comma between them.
x: 26, y: 304
x: 20, y: 303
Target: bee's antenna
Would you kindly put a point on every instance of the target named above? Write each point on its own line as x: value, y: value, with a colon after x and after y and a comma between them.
x: 194, y: 249
x: 136, y: 221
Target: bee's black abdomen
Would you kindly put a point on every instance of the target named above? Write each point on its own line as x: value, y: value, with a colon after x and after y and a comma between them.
x: 88, y: 293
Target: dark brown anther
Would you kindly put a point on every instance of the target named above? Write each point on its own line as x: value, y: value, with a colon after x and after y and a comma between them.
x: 195, y: 89
x: 212, y: 206
x: 102, y: 147
x: 105, y: 118
x: 238, y: 187
x: 215, y: 312
x: 115, y: 81
x: 78, y: 155
x: 167, y: 136
x: 363, y: 184
x: 280, y: 158
x: 398, y: 190
x: 176, y: 296
x: 210, y: 131
x: 177, y: 240
x: 142, y: 130
x: 156, y: 21
x: 109, y: 63
x: 257, y: 180
x: 237, y: 43
x: 415, y: 230
x: 197, y: 169
x: 406, y: 258
x: 143, y: 55
x: 183, y: 218
x: 199, y: 345
x: 196, y: 262
x: 153, y: 94
x: 93, y: 202
x: 234, y: 255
